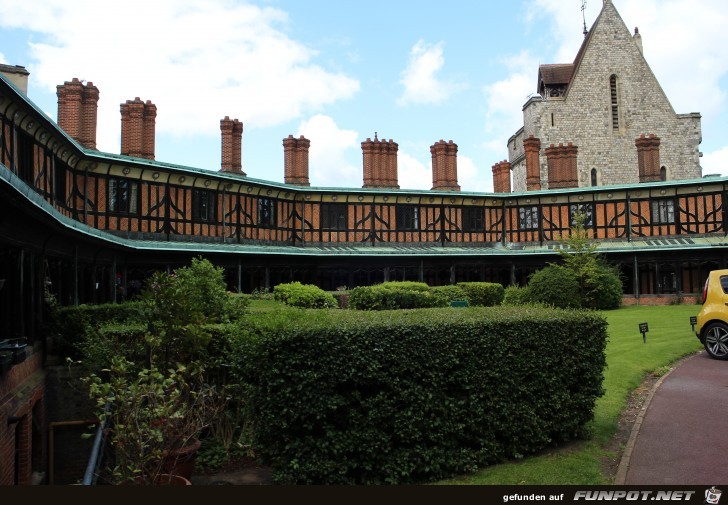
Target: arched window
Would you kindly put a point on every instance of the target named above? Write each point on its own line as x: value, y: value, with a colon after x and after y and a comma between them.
x: 614, y: 98
x: 663, y: 174
x: 594, y: 181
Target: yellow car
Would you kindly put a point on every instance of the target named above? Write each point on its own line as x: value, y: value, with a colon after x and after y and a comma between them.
x: 713, y: 317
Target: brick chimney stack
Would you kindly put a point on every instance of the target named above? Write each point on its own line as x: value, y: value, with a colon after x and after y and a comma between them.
x: 78, y: 111
x: 648, y: 157
x: 532, y: 146
x: 380, y: 163
x: 138, y: 122
x: 445, y: 166
x: 502, y: 177
x: 232, y: 143
x: 295, y: 161
x: 562, y: 166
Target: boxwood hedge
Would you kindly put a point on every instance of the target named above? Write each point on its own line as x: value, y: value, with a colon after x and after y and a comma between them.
x: 413, y: 396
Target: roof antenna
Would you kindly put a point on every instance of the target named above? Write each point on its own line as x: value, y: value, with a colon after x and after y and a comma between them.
x: 583, y: 15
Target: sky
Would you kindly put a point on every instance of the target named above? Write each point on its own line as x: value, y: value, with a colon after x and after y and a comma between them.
x: 339, y: 72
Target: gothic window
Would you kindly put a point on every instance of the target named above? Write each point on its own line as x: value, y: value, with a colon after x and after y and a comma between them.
x: 614, y: 98
x: 123, y: 196
x: 663, y: 211
x: 333, y: 216
x: 204, y: 205
x: 528, y: 218
x: 473, y: 219
x: 267, y: 213
x: 594, y: 181
x: 663, y: 174
x: 408, y: 217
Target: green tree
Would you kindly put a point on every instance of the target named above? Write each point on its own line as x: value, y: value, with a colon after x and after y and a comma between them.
x: 600, y: 286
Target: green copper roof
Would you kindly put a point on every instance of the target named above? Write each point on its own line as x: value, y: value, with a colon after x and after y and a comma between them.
x: 13, y: 183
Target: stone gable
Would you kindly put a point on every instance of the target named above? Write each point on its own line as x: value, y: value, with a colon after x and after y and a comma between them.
x: 584, y: 115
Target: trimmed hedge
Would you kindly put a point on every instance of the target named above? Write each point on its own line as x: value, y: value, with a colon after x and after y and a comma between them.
x: 69, y: 324
x: 306, y: 296
x: 483, y: 294
x: 393, y: 296
x: 413, y: 396
x: 514, y: 296
x: 450, y: 293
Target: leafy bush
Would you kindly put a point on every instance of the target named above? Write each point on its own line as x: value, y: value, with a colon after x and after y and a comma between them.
x: 306, y: 296
x: 393, y: 296
x: 405, y: 285
x: 483, y: 294
x: 69, y: 325
x: 555, y: 285
x: 606, y: 290
x: 449, y: 293
x: 412, y: 396
x: 514, y: 296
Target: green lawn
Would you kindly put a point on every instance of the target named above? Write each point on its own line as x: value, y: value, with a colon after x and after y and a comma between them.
x: 670, y: 338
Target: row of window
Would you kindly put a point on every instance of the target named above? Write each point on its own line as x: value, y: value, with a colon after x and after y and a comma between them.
x: 123, y: 198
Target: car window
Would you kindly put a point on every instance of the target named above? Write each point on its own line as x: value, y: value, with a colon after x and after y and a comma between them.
x: 724, y: 283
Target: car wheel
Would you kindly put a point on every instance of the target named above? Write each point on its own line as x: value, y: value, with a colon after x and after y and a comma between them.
x: 716, y: 340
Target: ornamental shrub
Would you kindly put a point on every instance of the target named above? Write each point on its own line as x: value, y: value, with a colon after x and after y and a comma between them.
x: 606, y: 289
x: 556, y: 286
x: 450, y: 293
x: 305, y: 296
x: 394, y: 296
x: 514, y: 296
x: 483, y: 294
x: 351, y: 397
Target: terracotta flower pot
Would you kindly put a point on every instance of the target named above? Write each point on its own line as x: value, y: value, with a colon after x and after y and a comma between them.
x: 164, y: 479
x: 181, y: 461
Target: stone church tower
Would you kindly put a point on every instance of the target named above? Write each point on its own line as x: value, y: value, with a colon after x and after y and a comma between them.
x: 603, y: 119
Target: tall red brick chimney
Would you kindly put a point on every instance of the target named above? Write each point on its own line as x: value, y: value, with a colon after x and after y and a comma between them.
x: 532, y: 146
x: 295, y: 160
x: 77, y: 111
x: 502, y: 177
x: 138, y: 122
x: 445, y: 166
x: 648, y: 158
x: 562, y: 166
x: 380, y: 163
x: 232, y: 143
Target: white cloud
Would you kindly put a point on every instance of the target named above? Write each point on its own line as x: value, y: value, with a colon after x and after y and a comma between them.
x: 197, y: 61
x: 420, y: 77
x: 2, y: 59
x: 715, y: 162
x: 504, y: 100
x: 471, y: 178
x: 412, y: 173
x: 330, y: 145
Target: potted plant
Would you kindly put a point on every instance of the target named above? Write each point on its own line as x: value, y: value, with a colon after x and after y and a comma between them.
x: 150, y: 415
x: 163, y: 400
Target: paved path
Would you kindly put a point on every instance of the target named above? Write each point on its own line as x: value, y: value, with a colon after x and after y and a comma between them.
x: 681, y: 438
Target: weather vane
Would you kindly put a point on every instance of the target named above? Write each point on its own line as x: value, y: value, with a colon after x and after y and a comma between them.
x: 583, y: 15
